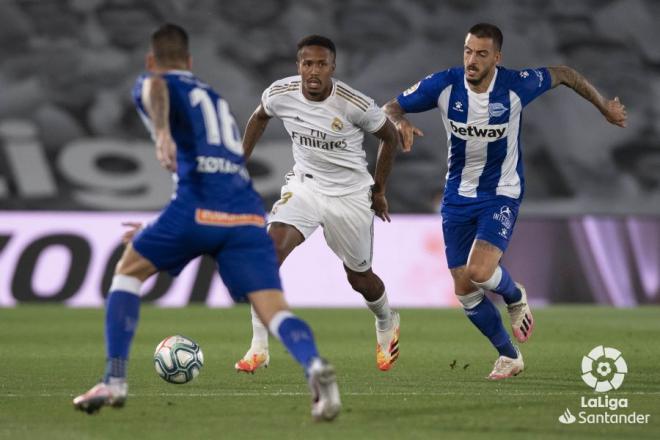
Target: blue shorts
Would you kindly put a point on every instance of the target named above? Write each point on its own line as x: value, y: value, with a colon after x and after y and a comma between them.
x: 490, y: 220
x: 245, y: 254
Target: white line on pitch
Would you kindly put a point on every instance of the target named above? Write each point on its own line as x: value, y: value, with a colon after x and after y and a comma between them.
x: 296, y: 393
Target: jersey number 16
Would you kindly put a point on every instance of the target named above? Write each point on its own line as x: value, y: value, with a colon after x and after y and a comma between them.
x: 214, y: 118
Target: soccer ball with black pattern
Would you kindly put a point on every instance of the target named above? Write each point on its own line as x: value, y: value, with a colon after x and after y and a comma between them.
x: 178, y: 359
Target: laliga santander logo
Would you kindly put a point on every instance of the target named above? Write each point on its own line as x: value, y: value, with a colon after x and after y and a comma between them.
x: 603, y: 369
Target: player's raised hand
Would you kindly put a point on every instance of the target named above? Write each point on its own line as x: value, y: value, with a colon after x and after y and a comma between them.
x: 615, y: 112
x: 166, y: 150
x: 379, y: 206
x: 134, y: 228
x: 407, y: 133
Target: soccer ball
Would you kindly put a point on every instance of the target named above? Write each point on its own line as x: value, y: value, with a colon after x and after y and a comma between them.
x: 178, y: 359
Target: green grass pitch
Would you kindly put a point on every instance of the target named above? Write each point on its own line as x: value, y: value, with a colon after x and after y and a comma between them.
x: 48, y: 354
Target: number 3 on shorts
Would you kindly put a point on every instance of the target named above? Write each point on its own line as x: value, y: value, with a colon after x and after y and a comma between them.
x: 285, y: 198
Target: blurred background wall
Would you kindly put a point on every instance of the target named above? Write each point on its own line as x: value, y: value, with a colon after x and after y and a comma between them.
x: 70, y: 139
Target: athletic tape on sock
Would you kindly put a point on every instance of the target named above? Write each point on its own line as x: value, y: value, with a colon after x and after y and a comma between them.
x: 492, y: 282
x: 126, y: 283
x: 471, y: 300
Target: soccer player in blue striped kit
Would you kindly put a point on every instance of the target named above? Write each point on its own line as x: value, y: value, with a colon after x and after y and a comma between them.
x: 481, y: 107
x: 214, y: 211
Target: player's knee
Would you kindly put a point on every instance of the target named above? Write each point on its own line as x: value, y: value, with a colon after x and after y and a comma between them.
x: 479, y: 273
x: 463, y: 288
x: 488, y: 279
x: 134, y: 265
x: 462, y: 282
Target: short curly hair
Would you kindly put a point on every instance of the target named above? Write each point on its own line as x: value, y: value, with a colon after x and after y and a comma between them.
x: 317, y: 40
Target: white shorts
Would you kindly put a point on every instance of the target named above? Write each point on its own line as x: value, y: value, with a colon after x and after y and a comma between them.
x: 347, y: 220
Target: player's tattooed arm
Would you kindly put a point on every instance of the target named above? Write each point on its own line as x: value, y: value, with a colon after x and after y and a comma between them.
x: 158, y: 107
x: 389, y: 140
x: 407, y: 131
x: 254, y: 129
x: 612, y: 109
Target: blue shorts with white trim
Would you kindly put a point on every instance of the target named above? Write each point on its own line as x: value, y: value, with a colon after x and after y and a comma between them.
x: 491, y: 220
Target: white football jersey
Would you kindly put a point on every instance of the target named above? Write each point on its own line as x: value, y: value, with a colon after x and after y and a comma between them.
x: 326, y: 136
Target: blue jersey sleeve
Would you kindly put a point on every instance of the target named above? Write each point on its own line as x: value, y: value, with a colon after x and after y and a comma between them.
x: 424, y: 95
x: 529, y: 84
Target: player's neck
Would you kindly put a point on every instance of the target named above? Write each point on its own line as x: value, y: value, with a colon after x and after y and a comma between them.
x: 158, y: 69
x: 317, y: 97
x: 484, y: 84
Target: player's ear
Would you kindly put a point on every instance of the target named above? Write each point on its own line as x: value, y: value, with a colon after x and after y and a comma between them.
x: 498, y: 57
x: 189, y: 63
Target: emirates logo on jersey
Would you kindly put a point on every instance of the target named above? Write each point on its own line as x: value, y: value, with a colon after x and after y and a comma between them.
x: 337, y: 125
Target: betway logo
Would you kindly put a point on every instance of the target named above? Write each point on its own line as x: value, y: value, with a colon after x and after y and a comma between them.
x: 480, y: 133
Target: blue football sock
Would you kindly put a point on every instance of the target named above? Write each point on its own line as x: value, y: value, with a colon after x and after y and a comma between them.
x: 298, y: 339
x: 487, y: 319
x: 121, y: 318
x: 507, y: 288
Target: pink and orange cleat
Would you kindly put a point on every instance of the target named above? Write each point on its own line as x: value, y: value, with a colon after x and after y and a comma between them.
x: 387, y: 347
x: 252, y: 361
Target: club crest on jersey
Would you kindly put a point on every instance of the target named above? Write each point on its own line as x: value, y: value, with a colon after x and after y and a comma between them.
x: 337, y: 125
x: 496, y: 109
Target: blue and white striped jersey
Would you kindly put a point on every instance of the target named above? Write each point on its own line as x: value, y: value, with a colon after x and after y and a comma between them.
x: 483, y: 129
x: 211, y: 170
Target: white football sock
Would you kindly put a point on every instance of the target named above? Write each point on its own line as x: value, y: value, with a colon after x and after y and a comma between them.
x: 381, y: 308
x: 259, y: 333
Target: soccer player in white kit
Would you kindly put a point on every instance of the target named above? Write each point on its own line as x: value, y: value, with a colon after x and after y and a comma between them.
x: 481, y: 108
x: 329, y: 185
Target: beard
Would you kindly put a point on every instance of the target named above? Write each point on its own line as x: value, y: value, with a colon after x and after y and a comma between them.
x: 476, y: 81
